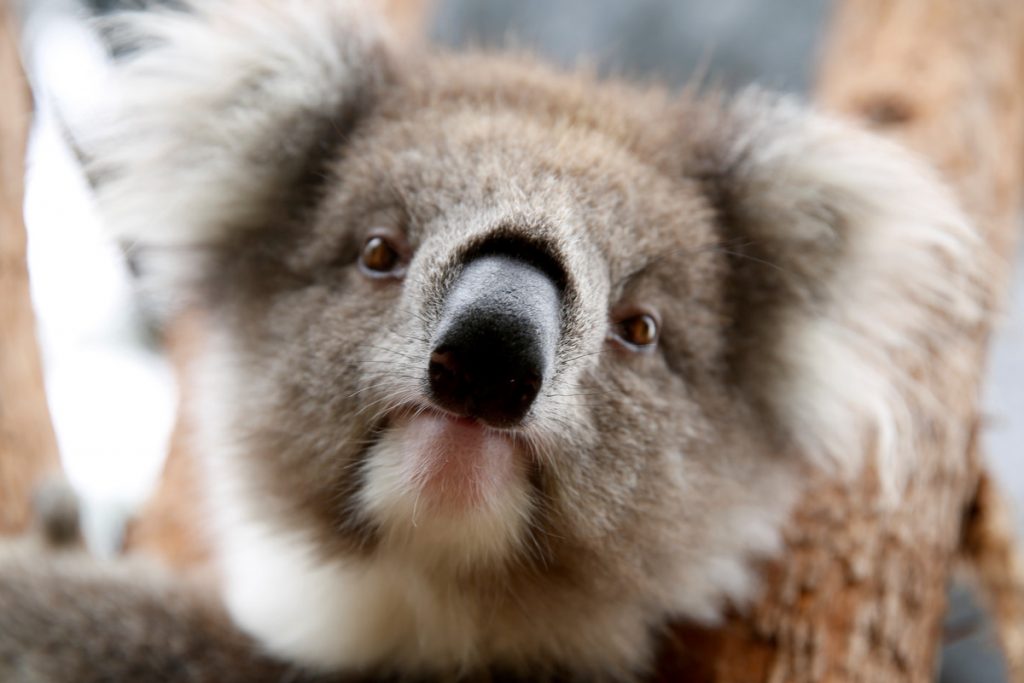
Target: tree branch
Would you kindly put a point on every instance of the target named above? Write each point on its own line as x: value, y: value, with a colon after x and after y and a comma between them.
x: 28, y: 448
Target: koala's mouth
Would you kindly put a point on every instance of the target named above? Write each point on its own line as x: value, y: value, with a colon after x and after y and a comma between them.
x: 456, y: 463
x: 428, y: 463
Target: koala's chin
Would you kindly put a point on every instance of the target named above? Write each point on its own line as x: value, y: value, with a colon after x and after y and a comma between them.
x: 505, y: 368
x: 449, y: 491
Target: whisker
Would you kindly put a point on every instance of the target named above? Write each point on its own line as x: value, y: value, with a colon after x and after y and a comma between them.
x: 394, y: 351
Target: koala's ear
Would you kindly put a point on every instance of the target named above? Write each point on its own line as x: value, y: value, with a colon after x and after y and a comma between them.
x: 219, y: 109
x: 852, y: 266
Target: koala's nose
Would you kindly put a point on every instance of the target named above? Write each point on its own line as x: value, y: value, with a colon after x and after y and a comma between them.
x: 496, y: 341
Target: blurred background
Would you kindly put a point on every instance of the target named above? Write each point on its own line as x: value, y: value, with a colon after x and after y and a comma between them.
x: 112, y: 392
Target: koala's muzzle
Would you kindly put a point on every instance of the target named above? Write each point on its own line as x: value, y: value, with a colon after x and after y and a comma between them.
x: 496, y: 340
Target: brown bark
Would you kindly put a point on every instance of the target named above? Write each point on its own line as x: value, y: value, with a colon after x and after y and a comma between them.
x: 28, y: 448
x: 172, y: 524
x: 408, y: 17
x: 992, y: 554
x: 860, y: 594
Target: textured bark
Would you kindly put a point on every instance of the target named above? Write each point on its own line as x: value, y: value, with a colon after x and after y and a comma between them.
x: 172, y: 524
x: 994, y: 563
x: 860, y: 594
x: 408, y: 17
x: 28, y: 448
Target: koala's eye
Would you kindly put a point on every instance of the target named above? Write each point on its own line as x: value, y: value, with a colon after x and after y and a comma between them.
x: 382, y: 256
x: 638, y: 331
x: 378, y: 255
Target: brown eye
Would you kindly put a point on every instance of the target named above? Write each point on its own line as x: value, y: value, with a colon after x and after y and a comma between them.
x: 640, y: 330
x: 379, y: 256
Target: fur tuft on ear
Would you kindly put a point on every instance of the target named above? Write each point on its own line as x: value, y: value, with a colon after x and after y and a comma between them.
x: 855, y: 266
x: 219, y: 111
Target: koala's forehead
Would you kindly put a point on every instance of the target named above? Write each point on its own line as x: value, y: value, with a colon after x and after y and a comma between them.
x: 516, y: 143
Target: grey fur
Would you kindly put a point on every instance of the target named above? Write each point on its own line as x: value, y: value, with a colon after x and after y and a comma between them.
x: 67, y: 617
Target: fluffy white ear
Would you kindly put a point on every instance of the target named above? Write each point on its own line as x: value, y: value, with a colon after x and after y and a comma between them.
x: 220, y: 106
x: 854, y: 267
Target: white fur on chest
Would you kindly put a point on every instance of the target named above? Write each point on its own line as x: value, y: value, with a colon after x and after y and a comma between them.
x: 339, y: 614
x: 358, y: 614
x: 353, y: 614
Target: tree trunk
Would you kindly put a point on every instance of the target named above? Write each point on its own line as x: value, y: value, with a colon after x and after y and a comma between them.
x: 171, y: 524
x: 860, y: 593
x: 28, y: 448
x: 408, y: 17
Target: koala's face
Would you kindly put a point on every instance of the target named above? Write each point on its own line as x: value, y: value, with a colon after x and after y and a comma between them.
x: 507, y: 367
x: 499, y: 336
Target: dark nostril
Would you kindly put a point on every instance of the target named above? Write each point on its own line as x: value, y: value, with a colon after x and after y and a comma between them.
x: 448, y: 381
x: 442, y: 365
x: 478, y: 385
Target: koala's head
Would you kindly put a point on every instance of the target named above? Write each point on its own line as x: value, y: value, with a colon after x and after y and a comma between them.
x: 533, y: 362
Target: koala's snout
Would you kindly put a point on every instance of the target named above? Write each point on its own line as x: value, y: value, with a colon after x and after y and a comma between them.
x: 496, y: 341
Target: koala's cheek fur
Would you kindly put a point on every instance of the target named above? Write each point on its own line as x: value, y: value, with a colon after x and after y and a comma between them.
x: 647, y: 502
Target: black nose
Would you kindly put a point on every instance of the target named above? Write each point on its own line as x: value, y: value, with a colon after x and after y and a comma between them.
x: 496, y: 340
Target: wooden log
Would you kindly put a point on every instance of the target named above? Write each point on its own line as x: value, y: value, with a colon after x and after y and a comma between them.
x: 28, y: 447
x: 860, y: 593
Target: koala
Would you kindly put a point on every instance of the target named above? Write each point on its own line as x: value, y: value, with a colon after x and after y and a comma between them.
x: 505, y: 368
